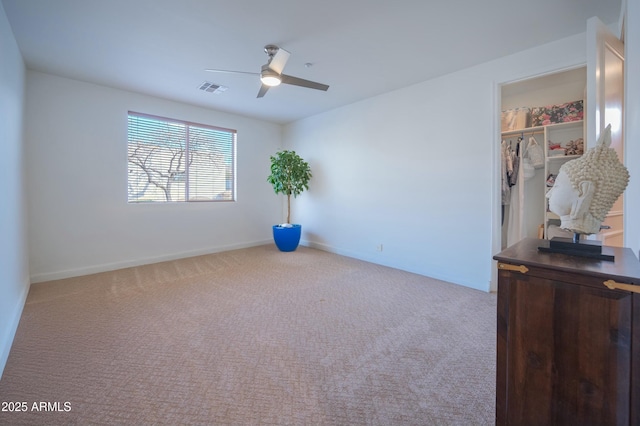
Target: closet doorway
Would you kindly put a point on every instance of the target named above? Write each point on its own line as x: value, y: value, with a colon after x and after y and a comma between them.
x: 523, y: 208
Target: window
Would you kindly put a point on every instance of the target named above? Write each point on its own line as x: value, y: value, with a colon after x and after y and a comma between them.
x: 173, y: 161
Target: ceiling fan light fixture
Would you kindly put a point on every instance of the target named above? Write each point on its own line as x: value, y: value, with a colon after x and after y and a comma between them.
x: 270, y: 78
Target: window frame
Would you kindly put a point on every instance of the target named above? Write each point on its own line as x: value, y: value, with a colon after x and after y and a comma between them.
x: 188, y: 127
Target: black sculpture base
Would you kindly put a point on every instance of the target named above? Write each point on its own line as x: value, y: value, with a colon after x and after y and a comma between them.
x: 575, y: 247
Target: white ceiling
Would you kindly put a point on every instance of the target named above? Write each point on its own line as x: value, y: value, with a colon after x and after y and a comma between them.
x: 361, y: 48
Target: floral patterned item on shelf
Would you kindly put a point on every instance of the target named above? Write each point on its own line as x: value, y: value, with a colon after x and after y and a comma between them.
x: 563, y: 113
x: 575, y: 147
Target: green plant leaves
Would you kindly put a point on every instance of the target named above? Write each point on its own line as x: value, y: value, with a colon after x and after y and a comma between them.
x: 290, y: 174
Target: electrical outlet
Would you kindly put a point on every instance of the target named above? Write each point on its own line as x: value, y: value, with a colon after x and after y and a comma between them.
x: 379, y: 247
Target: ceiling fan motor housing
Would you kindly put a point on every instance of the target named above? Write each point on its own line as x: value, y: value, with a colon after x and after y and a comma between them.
x: 271, y: 50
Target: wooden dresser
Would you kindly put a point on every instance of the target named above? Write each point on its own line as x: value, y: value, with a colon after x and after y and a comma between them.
x: 568, y: 345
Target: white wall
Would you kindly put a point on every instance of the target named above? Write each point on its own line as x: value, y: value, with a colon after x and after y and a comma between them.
x: 416, y: 170
x: 80, y: 221
x: 632, y: 126
x: 14, y: 277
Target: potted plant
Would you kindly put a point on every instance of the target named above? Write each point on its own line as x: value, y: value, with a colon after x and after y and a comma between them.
x: 290, y: 175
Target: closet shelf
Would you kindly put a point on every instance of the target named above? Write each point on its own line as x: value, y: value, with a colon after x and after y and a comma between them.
x: 562, y: 157
x: 527, y: 131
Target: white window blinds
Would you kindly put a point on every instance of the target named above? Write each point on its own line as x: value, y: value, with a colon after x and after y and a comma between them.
x: 172, y: 161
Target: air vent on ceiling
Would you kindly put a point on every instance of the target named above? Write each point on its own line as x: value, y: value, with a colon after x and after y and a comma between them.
x: 212, y: 88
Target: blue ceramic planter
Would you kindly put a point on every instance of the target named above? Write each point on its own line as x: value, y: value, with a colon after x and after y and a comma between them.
x: 287, y: 239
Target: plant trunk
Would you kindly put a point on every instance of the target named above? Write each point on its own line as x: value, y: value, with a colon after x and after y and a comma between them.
x: 288, y: 208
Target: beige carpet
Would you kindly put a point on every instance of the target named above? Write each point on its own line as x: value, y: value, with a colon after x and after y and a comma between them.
x: 254, y: 337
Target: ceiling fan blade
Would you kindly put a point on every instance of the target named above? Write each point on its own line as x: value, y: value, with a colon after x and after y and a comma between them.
x: 262, y: 91
x: 234, y: 72
x: 279, y: 60
x: 287, y: 79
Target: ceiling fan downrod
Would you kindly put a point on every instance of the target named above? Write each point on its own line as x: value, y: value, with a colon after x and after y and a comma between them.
x: 271, y: 50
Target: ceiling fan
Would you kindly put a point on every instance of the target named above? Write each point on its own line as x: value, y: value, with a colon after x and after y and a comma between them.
x: 271, y: 73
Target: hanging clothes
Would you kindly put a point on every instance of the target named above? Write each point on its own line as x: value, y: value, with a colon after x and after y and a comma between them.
x: 515, y: 165
x: 535, y: 153
x: 507, y: 168
x: 516, y: 226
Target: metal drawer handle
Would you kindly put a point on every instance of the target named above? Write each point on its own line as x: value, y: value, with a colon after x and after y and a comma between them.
x: 612, y: 285
x: 520, y: 268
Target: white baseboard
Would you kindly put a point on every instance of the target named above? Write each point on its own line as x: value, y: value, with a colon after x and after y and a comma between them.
x: 9, y: 332
x: 335, y: 250
x: 94, y: 269
x: 391, y: 264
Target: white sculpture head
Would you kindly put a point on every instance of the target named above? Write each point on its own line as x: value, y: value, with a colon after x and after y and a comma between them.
x: 586, y: 188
